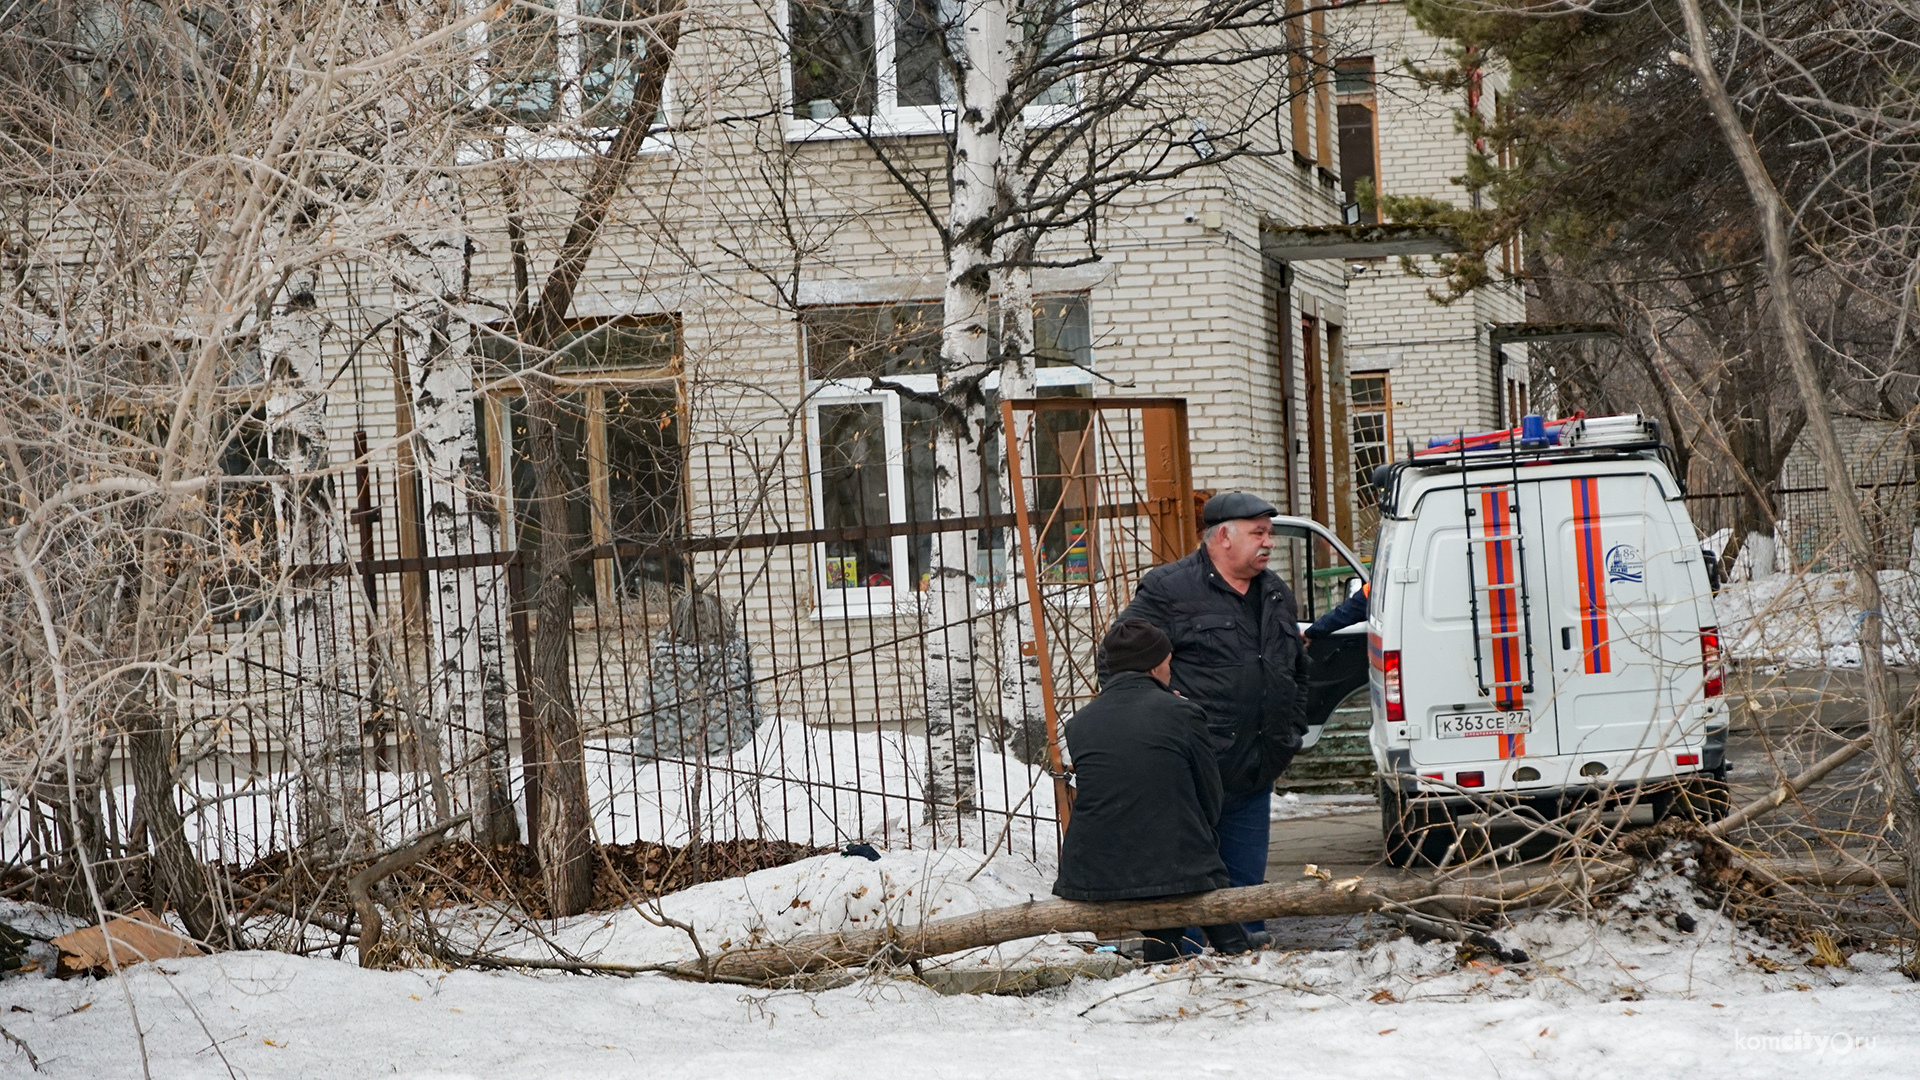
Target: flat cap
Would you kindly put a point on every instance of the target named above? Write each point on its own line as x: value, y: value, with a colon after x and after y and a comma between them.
x: 1234, y: 505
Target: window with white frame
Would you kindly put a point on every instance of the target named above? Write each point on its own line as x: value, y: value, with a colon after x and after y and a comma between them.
x: 571, y: 64
x: 872, y: 371
x: 887, y: 65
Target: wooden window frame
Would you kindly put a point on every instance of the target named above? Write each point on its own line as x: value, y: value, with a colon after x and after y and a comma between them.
x: 1322, y: 89
x: 1297, y: 83
x: 1385, y: 411
x: 497, y: 419
x: 1369, y: 101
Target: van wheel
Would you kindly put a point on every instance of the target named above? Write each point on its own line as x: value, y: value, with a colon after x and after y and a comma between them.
x: 1702, y: 799
x: 1417, y: 832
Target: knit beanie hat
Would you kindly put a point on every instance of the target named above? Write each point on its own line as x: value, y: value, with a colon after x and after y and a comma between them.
x: 1133, y: 645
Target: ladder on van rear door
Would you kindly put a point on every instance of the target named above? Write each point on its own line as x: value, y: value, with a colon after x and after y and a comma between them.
x: 1497, y: 586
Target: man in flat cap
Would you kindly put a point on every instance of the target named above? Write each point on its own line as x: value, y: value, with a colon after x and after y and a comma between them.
x: 1147, y: 791
x: 1237, y: 653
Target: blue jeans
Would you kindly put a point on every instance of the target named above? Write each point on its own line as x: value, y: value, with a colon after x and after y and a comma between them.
x: 1245, y: 826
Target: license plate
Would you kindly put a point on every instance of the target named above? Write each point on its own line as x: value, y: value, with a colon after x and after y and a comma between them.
x: 1490, y: 722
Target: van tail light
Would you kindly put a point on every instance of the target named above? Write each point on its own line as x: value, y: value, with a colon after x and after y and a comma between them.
x: 1713, y: 666
x: 1390, y: 687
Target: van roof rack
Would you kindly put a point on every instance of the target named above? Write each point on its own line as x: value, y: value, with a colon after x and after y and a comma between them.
x: 1573, y: 438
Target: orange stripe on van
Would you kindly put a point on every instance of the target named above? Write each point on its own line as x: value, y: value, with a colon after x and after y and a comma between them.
x: 1588, y: 567
x: 1503, y: 614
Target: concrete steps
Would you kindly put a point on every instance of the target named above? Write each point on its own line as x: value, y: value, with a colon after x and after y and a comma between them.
x: 1340, y: 763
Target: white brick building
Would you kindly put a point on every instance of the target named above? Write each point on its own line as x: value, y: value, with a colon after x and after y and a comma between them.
x: 761, y: 271
x: 1436, y: 364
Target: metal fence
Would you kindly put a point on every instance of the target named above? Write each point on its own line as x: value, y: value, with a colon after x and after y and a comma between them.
x: 1805, y: 526
x: 772, y: 681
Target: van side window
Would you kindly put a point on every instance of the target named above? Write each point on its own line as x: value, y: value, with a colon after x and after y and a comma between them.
x: 1315, y: 570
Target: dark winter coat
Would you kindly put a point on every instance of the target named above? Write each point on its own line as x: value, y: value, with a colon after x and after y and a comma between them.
x: 1250, y: 678
x: 1147, y: 796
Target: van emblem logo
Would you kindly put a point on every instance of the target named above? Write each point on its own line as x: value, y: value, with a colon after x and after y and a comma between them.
x: 1623, y: 564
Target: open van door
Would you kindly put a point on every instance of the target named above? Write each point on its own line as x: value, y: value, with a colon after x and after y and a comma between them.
x: 1322, y: 572
x: 1625, y: 630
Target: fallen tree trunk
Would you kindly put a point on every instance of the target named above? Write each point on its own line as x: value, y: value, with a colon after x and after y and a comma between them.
x: 1400, y: 892
x: 1378, y: 889
x: 1824, y: 873
x: 1353, y: 896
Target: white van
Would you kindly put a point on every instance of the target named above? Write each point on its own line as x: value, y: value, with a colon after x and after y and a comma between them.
x: 1541, y: 632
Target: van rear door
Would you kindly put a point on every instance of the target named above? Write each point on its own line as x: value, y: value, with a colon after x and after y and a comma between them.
x: 1456, y: 597
x: 1625, y: 639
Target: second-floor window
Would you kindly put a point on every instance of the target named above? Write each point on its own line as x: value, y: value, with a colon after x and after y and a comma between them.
x: 1359, y: 130
x: 573, y: 64
x: 886, y: 64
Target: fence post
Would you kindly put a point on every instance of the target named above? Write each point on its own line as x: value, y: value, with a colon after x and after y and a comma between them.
x: 522, y: 673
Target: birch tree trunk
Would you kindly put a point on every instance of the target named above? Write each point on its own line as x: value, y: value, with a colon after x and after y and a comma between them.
x: 1889, y: 741
x: 315, y: 613
x: 468, y: 682
x: 1020, y: 689
x: 952, y: 727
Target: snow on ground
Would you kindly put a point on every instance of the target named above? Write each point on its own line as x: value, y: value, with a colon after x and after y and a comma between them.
x: 818, y: 895
x: 810, y: 785
x: 1628, y: 994
x: 1294, y: 805
x: 1812, y: 619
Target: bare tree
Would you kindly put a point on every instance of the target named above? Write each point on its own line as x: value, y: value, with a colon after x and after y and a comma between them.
x: 185, y: 192
x: 1892, y: 746
x: 1122, y: 96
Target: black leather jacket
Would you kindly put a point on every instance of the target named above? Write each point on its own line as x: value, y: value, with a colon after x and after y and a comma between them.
x: 1249, y: 678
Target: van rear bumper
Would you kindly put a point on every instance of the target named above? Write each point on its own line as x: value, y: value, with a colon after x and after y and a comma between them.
x: 1562, y: 782
x: 1557, y: 801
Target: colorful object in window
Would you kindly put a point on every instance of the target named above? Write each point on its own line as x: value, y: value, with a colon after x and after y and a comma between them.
x: 843, y: 572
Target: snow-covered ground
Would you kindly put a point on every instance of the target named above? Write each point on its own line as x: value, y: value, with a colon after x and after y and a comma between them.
x: 1629, y: 994
x: 1294, y: 805
x: 1813, y: 620
x: 811, y: 785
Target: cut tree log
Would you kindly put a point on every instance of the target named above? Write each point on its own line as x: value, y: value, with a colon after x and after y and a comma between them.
x: 1351, y: 896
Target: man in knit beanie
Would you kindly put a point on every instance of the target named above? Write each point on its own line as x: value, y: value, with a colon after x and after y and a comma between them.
x: 1147, y: 791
